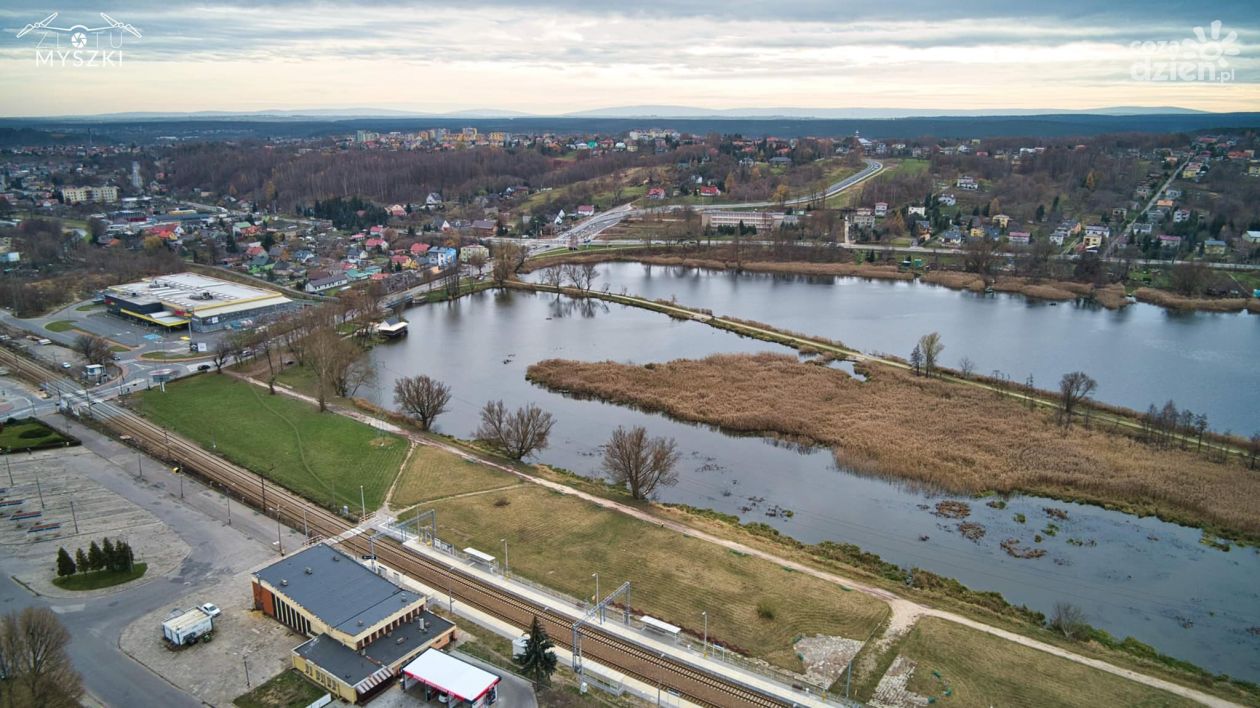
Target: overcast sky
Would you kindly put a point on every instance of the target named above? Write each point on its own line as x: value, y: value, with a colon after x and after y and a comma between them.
x: 556, y: 56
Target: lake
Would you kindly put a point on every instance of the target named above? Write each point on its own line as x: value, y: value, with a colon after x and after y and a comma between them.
x: 1138, y: 577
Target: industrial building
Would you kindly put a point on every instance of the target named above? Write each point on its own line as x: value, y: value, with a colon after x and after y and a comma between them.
x: 364, y: 628
x: 199, y: 302
x: 760, y: 220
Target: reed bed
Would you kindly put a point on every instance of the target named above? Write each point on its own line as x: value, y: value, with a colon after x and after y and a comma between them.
x: 926, y: 431
x: 1174, y: 301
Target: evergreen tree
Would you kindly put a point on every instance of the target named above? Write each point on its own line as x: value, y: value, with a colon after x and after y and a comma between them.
x: 126, y: 559
x: 110, y: 559
x: 81, y: 561
x: 96, y: 559
x: 65, y: 564
x: 537, y: 661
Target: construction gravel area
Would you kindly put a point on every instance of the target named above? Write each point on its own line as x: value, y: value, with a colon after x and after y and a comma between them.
x: 247, y: 648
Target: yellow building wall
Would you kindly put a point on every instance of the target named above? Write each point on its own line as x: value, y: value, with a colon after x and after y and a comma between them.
x: 331, y: 683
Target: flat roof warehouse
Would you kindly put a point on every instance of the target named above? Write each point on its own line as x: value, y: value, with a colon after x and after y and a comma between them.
x: 203, y: 303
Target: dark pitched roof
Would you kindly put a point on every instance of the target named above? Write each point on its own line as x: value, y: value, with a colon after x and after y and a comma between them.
x: 337, y: 589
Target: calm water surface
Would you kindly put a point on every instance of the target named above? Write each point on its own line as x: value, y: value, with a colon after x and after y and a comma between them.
x: 1138, y: 577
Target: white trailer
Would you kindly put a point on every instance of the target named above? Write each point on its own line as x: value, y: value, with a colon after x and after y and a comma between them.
x: 187, y: 627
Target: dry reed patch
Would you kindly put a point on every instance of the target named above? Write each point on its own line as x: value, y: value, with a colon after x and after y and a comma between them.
x: 560, y: 541
x: 958, y: 281
x: 432, y: 473
x: 952, y: 437
x: 1179, y: 302
x: 983, y: 670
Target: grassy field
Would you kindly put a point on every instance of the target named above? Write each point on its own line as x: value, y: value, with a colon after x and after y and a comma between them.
x: 322, y: 456
x: 983, y: 670
x: 98, y: 579
x: 876, y: 427
x: 290, y: 689
x: 559, y: 541
x: 28, y: 434
x: 434, y: 474
x: 60, y: 326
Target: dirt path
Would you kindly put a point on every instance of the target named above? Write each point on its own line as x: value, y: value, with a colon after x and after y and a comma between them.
x: 904, y: 612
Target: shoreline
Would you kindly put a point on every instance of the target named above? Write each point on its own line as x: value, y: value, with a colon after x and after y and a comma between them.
x: 1112, y: 297
x: 1141, y: 481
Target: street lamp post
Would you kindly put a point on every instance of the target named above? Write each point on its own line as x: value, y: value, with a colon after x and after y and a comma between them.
x: 601, y: 614
x: 279, y: 539
x: 362, y: 503
x: 505, y: 557
x: 706, y: 632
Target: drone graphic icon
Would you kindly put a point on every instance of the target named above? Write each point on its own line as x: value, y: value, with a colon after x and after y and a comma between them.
x: 79, y: 33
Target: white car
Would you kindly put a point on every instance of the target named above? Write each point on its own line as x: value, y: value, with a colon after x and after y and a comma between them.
x: 211, y: 609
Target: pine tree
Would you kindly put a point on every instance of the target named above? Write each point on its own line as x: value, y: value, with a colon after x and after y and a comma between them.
x: 110, y: 557
x: 81, y: 561
x: 537, y: 661
x: 96, y: 559
x: 127, y: 559
x: 65, y: 564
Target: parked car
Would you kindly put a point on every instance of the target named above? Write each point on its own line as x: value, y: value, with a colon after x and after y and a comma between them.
x: 66, y: 365
x: 211, y: 609
x: 203, y: 367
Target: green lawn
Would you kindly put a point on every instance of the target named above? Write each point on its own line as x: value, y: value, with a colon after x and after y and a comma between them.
x: 323, y: 456
x: 89, y: 307
x: 559, y: 541
x: 98, y: 579
x: 59, y: 326
x: 432, y: 473
x: 29, y: 433
x: 289, y: 689
x: 979, y: 669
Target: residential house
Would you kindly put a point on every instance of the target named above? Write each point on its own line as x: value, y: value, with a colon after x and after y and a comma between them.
x: 442, y: 257
x: 1169, y: 241
x: 440, y: 224
x: 918, y: 210
x: 433, y: 201
x: 881, y: 209
x: 1019, y: 238
x: 467, y: 252
x: 418, y: 250
x: 585, y: 210
x: 397, y: 211
x: 952, y: 237
x: 709, y: 190
x: 1181, y: 215
x: 379, y: 245
x: 967, y: 183
x: 863, y: 218
x: 327, y: 282
x: 1252, y: 237
x: 948, y: 200
x: 1253, y: 170
x: 922, y: 228
x: 1002, y: 220
x: 1143, y: 228
x: 485, y: 227
x: 1119, y: 213
x: 1214, y: 247
x: 656, y: 193
x: 781, y: 161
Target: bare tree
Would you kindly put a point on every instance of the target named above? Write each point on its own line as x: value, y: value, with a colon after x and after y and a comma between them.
x: 581, y: 275
x: 34, y: 665
x: 1068, y: 619
x: 1253, y: 450
x: 553, y: 275
x: 94, y: 349
x: 916, y: 358
x: 422, y: 398
x: 966, y: 367
x: 359, y: 372
x: 640, y: 463
x: 931, y: 347
x: 225, y: 349
x: 518, y: 434
x: 477, y: 260
x: 1074, y: 388
x: 508, y: 258
x: 330, y: 358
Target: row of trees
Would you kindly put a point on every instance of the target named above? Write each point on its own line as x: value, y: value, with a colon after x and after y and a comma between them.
x: 632, y: 459
x: 109, y: 556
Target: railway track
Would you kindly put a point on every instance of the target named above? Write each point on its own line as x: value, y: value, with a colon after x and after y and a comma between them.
x: 692, y: 682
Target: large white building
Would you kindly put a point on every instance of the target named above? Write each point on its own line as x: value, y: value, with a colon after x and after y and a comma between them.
x: 202, y: 303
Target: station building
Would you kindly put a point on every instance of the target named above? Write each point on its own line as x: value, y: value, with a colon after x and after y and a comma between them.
x: 364, y: 629
x: 198, y: 302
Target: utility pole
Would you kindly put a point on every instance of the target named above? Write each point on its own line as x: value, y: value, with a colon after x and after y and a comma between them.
x: 279, y: 539
x: 228, y: 497
x: 7, y: 466
x: 505, y: 560
x: 39, y: 490
x: 362, y: 503
x: 306, y: 530
x: 601, y: 611
x: 75, y: 518
x: 140, y: 464
x: 706, y: 633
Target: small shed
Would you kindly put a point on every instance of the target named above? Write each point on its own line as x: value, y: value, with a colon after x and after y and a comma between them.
x: 460, y: 681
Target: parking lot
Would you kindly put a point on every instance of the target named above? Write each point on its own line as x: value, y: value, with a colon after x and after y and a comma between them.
x: 49, y: 489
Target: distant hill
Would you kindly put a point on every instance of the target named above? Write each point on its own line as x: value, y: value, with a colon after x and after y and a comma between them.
x: 860, y: 113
